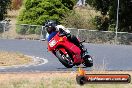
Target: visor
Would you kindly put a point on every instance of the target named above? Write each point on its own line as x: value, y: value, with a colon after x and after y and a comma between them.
x: 48, y: 29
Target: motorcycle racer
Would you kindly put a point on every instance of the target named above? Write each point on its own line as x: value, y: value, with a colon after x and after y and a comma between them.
x: 58, y: 48
x: 52, y: 28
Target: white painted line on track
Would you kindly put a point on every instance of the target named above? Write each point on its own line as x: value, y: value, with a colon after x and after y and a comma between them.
x: 2, y: 68
x: 37, y: 61
x: 44, y: 62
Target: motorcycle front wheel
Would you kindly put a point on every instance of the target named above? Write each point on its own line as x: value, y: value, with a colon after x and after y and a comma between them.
x: 64, y: 59
x: 88, y: 61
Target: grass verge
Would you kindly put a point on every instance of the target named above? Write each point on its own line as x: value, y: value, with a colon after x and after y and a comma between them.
x: 54, y: 80
x: 11, y: 58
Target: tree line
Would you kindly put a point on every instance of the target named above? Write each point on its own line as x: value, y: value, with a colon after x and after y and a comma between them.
x: 37, y: 11
x: 108, y: 10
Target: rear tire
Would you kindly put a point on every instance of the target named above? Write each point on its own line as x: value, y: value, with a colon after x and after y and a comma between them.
x: 88, y: 61
x: 66, y: 61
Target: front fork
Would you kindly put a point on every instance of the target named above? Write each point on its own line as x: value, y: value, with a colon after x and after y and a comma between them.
x: 83, y: 50
x: 85, y: 55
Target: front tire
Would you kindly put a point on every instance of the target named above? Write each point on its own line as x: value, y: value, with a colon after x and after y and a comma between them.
x: 88, y: 61
x: 64, y: 59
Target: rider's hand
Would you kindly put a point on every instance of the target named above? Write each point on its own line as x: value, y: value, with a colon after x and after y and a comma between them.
x: 62, y: 32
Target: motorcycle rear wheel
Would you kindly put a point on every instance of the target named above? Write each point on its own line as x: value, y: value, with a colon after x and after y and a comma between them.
x: 65, y: 60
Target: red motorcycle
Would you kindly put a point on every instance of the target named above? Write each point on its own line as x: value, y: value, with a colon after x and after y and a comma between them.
x: 67, y: 52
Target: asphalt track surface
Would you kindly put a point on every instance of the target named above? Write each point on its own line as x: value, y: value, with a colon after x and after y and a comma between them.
x: 106, y: 56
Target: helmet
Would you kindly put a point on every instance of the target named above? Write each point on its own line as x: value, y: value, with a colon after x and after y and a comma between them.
x: 50, y: 26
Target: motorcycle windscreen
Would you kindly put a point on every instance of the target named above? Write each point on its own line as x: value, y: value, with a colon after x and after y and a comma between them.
x: 51, y: 35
